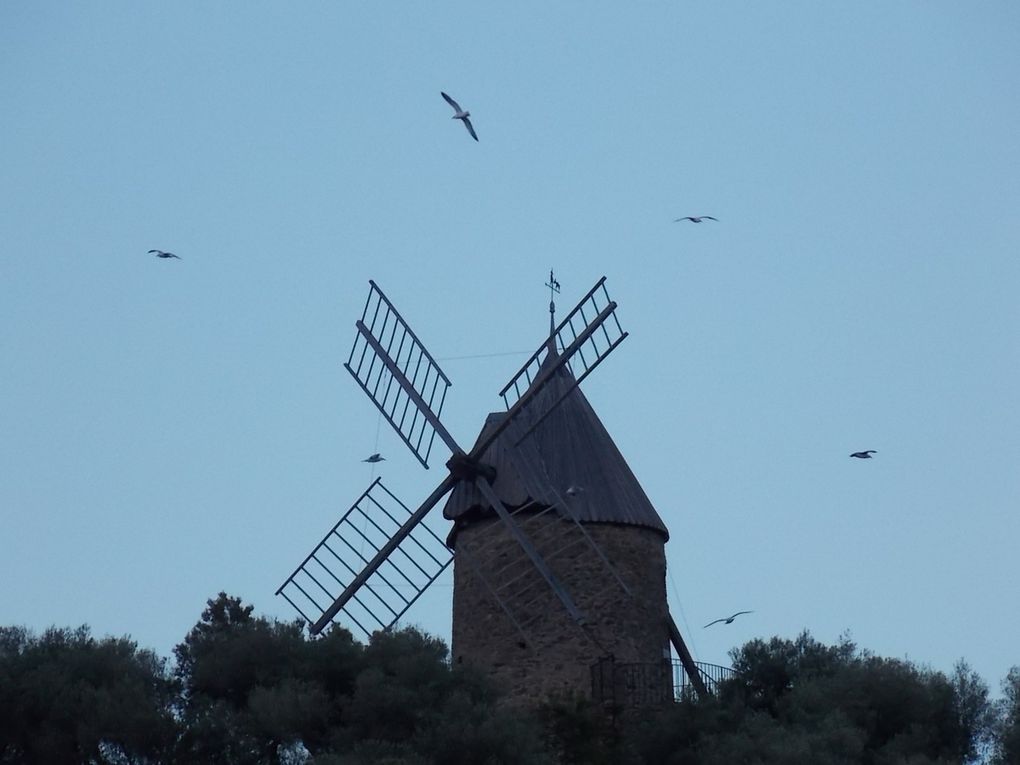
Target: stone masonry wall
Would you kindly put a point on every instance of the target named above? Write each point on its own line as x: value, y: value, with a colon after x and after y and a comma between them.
x: 554, y: 655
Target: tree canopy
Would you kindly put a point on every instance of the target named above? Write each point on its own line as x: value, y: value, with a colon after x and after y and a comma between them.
x: 243, y: 688
x: 801, y: 701
x: 68, y: 697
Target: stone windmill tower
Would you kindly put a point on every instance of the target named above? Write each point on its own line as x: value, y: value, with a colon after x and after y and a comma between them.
x: 560, y: 561
x: 571, y: 490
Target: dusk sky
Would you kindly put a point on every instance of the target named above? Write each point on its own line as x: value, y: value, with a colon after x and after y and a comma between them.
x: 173, y: 428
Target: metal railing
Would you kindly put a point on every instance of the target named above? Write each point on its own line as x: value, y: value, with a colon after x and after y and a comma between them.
x: 630, y: 684
x: 711, y: 675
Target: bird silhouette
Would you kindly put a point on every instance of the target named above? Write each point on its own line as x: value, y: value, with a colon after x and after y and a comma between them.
x: 727, y: 619
x: 696, y: 218
x: 460, y: 114
x: 161, y: 254
x: 864, y: 455
x: 374, y: 458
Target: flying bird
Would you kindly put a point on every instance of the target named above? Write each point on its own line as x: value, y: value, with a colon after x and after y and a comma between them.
x: 864, y: 455
x: 461, y: 115
x: 374, y: 458
x: 161, y: 254
x: 696, y: 218
x: 728, y: 619
x: 574, y: 490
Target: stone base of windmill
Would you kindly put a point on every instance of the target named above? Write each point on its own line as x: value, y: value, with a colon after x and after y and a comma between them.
x: 620, y: 655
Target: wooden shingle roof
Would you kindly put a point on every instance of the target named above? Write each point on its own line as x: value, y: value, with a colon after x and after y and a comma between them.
x: 570, y: 447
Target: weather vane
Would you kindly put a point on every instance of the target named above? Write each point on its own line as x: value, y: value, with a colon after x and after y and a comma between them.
x: 554, y: 288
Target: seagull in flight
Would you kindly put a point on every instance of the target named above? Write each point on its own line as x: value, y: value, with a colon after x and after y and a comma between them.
x: 161, y: 254
x: 374, y: 458
x: 727, y: 619
x: 461, y: 115
x: 696, y: 218
x: 864, y: 455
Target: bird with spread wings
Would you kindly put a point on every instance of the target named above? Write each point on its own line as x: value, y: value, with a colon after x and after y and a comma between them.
x: 461, y: 114
x: 728, y: 619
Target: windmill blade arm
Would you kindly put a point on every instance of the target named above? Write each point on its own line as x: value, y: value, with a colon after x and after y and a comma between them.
x: 515, y: 381
x: 384, y: 552
x: 304, y: 577
x: 690, y: 667
x: 539, y: 381
x: 364, y: 494
x: 490, y: 495
x: 548, y: 371
x: 387, y: 351
x: 567, y: 392
x: 388, y: 406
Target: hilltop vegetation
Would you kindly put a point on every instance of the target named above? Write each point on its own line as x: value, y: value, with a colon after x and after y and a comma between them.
x: 246, y: 689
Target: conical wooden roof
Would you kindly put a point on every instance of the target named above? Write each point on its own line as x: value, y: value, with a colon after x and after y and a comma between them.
x: 570, y: 447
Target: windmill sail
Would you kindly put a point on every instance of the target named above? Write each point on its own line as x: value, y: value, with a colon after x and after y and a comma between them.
x: 398, y: 374
x: 408, y: 387
x: 584, y: 338
x: 520, y: 532
x: 371, y: 524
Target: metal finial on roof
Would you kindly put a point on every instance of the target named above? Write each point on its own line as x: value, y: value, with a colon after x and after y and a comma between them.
x: 554, y: 287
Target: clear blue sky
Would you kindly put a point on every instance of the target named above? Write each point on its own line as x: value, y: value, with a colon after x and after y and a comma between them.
x: 169, y: 429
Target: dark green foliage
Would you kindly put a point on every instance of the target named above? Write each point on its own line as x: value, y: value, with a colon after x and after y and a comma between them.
x: 409, y: 703
x: 66, y: 697
x: 800, y: 701
x: 975, y: 713
x: 404, y: 680
x: 256, y: 689
x: 1007, y: 744
x: 247, y: 689
x: 579, y: 731
x: 768, y: 671
x: 253, y: 686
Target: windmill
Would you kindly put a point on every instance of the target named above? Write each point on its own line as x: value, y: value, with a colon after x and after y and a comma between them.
x: 533, y: 559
